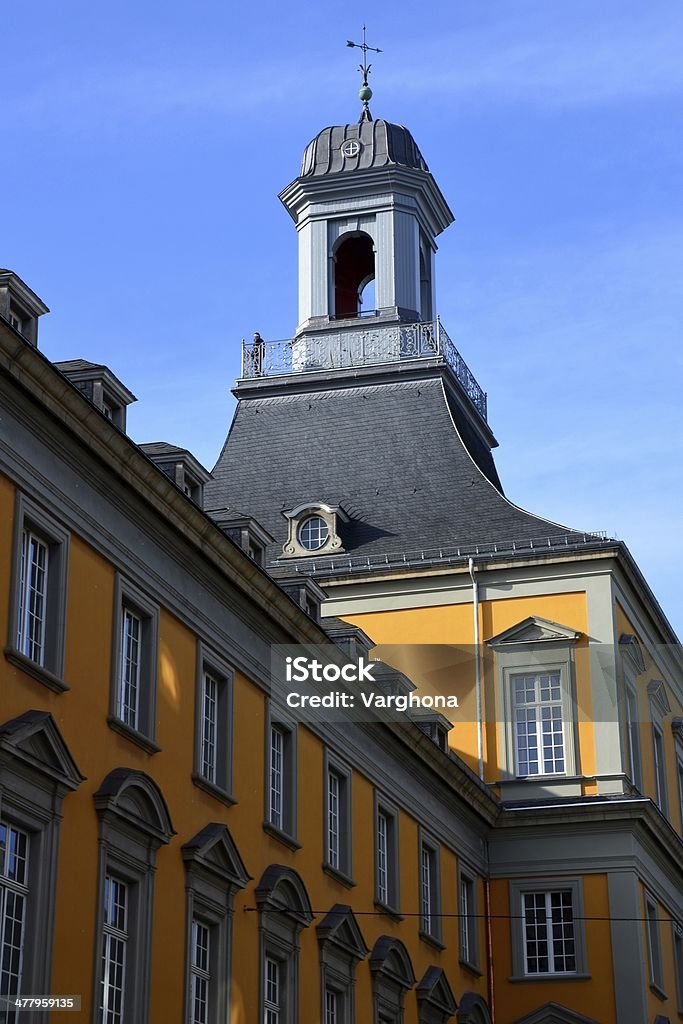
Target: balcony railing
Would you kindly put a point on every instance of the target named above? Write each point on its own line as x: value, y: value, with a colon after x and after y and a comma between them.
x: 369, y: 345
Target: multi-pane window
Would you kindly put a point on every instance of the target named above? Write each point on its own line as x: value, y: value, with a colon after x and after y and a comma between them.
x: 313, y: 533
x: 469, y: 953
x: 386, y: 856
x: 654, y: 946
x: 382, y: 857
x: 334, y: 785
x: 337, y: 851
x: 281, y: 777
x: 272, y: 1002
x: 538, y: 723
x: 40, y: 561
x: 678, y: 965
x: 549, y: 940
x: 331, y: 1007
x: 134, y: 668
x: 114, y: 950
x: 14, y: 846
x: 660, y: 766
x: 213, y: 734
x: 209, y: 722
x: 31, y: 628
x: 633, y: 737
x: 128, y: 699
x: 276, y: 776
x: 429, y: 889
x: 200, y: 974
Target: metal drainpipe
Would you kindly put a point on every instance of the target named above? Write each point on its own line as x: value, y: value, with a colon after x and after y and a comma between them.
x: 477, y: 670
x: 489, y: 950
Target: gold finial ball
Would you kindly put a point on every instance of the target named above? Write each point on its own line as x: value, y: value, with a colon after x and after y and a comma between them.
x: 365, y: 93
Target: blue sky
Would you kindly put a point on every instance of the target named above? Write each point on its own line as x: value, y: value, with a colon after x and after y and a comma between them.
x: 145, y: 146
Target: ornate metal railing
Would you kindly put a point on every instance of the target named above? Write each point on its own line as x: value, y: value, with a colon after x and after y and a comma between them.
x: 360, y: 346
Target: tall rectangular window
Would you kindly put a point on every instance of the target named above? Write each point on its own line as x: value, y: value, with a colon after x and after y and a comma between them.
x: 633, y: 737
x: 200, y: 974
x: 430, y: 917
x: 114, y: 950
x: 213, y: 725
x: 549, y: 941
x: 38, y: 601
x: 678, y: 965
x: 14, y: 845
x: 208, y: 726
x: 382, y: 857
x: 276, y: 790
x: 134, y: 670
x: 129, y: 679
x: 333, y: 819
x: 331, y: 1007
x: 538, y: 723
x: 660, y: 767
x: 469, y: 951
x: 654, y: 946
x: 386, y: 856
x: 337, y: 810
x: 281, y: 779
x: 32, y: 597
x: 272, y: 1002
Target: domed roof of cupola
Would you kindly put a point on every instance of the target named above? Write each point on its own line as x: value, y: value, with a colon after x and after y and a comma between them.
x: 352, y: 147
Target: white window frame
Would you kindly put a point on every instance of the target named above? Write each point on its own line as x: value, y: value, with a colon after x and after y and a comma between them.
x: 272, y: 990
x: 280, y: 814
x: 200, y: 973
x: 111, y: 934
x: 654, y: 943
x: 677, y: 939
x: 548, y: 922
x: 546, y: 886
x: 41, y: 654
x: 430, y: 887
x: 138, y: 724
x: 519, y: 659
x: 337, y: 817
x: 13, y: 890
x: 33, y: 584
x: 538, y: 707
x: 633, y: 735
x: 213, y: 768
x: 387, y: 875
x: 659, y: 763
x: 130, y: 668
x: 469, y: 921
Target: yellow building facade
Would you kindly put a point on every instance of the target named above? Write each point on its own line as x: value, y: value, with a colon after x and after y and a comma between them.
x: 177, y: 841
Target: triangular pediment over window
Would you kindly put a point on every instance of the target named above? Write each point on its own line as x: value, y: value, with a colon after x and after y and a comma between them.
x: 434, y: 991
x: 553, y: 1013
x: 340, y: 927
x: 215, y: 850
x: 535, y: 630
x: 35, y: 739
x: 657, y: 693
x: 630, y: 648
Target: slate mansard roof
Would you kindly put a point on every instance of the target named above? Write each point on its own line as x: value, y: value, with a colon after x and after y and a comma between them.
x: 402, y: 459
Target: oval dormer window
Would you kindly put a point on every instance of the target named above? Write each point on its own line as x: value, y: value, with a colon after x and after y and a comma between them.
x: 313, y: 533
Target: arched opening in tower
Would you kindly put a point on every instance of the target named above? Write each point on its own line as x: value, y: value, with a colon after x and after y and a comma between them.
x: 426, y: 312
x: 354, y: 269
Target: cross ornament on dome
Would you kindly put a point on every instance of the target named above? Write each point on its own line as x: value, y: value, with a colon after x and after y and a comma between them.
x: 365, y: 92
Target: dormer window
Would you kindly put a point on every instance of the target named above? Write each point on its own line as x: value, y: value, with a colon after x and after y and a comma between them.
x: 19, y: 306
x: 16, y: 320
x: 313, y: 529
x: 314, y: 533
x: 101, y: 387
x: 180, y: 466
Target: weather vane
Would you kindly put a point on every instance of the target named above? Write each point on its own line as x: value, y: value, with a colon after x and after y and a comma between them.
x: 365, y: 92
